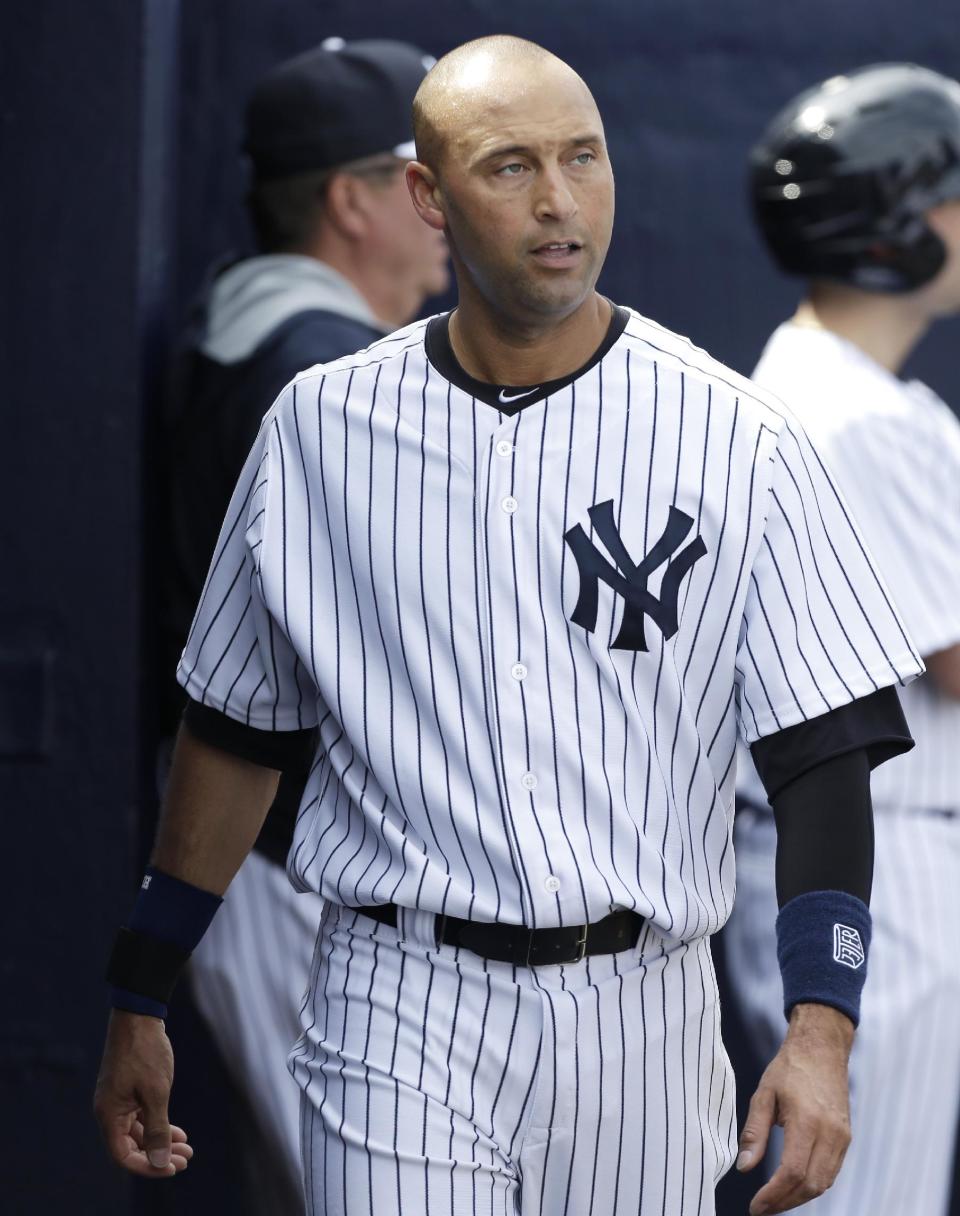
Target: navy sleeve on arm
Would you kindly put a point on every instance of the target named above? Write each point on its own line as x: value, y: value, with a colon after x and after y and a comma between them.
x: 874, y: 723
x: 285, y: 750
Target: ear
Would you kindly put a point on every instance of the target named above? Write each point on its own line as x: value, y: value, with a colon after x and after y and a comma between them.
x: 344, y: 205
x: 425, y: 193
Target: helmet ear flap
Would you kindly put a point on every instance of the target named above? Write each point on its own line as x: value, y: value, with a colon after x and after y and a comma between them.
x: 901, y: 264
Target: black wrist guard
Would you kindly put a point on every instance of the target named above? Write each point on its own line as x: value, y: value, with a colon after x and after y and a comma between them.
x: 145, y: 965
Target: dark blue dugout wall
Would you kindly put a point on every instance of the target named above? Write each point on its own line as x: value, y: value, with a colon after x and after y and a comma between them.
x: 83, y: 256
x: 91, y: 269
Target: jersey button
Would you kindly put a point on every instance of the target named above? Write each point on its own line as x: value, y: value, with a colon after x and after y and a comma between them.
x: 509, y: 504
x: 551, y: 883
x: 504, y: 447
x: 529, y: 781
x: 518, y: 671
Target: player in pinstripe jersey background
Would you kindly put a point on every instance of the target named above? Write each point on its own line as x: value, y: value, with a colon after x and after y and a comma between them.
x: 529, y: 568
x: 857, y: 188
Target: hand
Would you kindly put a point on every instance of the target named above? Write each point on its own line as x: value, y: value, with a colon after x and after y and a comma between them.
x: 131, y: 1098
x: 806, y: 1091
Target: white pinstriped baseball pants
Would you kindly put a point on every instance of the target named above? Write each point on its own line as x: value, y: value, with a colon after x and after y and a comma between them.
x: 437, y: 1084
x: 905, y: 1066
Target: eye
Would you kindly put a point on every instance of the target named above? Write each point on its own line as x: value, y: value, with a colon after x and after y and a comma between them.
x: 511, y: 170
x: 584, y: 158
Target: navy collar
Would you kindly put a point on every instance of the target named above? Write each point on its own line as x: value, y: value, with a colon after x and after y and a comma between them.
x: 509, y: 398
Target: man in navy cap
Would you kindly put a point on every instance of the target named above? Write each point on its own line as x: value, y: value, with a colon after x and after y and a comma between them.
x: 342, y: 260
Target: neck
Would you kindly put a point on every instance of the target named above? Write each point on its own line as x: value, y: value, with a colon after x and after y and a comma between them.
x: 885, y: 327
x: 499, y: 350
x: 391, y: 302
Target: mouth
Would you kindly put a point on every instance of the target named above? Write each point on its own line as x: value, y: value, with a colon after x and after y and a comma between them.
x: 560, y: 254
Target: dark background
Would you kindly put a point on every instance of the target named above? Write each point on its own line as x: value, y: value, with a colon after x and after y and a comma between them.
x: 119, y: 126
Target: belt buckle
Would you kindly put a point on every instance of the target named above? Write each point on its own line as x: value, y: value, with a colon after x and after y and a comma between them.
x: 579, y: 946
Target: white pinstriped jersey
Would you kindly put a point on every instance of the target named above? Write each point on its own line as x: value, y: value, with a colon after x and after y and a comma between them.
x: 402, y: 563
x: 894, y: 449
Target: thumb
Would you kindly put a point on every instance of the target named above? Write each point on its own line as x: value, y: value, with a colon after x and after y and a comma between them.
x: 756, y: 1130
x: 156, y: 1130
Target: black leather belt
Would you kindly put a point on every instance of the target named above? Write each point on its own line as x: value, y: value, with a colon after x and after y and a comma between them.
x: 528, y: 947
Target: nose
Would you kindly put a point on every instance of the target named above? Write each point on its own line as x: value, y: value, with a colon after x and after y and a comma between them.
x: 554, y: 199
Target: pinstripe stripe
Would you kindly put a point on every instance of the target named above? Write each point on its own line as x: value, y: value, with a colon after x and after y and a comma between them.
x: 548, y: 679
x: 521, y: 650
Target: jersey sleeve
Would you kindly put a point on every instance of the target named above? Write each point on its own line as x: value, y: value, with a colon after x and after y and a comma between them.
x: 905, y: 471
x: 238, y: 659
x: 819, y: 628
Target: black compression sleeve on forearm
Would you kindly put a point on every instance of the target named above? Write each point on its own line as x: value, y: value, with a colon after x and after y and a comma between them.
x: 825, y: 830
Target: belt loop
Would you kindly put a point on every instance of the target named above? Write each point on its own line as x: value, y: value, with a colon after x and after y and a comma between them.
x: 439, y: 928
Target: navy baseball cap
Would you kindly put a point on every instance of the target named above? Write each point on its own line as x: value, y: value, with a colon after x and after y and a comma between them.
x: 339, y: 102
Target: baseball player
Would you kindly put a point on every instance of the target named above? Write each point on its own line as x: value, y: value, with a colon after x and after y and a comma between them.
x: 856, y: 185
x: 343, y: 259
x: 527, y: 568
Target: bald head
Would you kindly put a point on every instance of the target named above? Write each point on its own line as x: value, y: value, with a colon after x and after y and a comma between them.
x: 513, y: 168
x: 481, y: 79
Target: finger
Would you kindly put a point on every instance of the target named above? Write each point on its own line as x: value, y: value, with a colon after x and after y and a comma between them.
x: 157, y: 1134
x: 803, y: 1193
x: 118, y: 1133
x: 137, y: 1163
x: 178, y: 1139
x: 181, y: 1151
x: 124, y: 1147
x: 820, y: 1173
x: 785, y: 1188
x: 827, y: 1157
x: 756, y: 1130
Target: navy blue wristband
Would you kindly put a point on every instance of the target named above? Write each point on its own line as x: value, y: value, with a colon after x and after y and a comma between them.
x: 822, y: 942
x: 133, y: 1002
x: 172, y: 910
x: 168, y: 920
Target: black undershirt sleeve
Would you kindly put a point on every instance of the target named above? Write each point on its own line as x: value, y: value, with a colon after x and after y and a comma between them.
x: 874, y: 723
x: 283, y: 749
x: 825, y: 830
x: 817, y: 777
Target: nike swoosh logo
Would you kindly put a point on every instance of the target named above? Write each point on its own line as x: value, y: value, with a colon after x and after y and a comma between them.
x: 516, y: 396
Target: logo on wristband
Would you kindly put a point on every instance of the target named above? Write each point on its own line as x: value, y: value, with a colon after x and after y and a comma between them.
x: 847, y: 947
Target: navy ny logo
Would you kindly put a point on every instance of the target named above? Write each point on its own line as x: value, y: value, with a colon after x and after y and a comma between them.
x: 630, y: 580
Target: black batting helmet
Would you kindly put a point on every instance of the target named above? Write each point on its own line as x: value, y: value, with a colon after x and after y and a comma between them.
x: 843, y: 176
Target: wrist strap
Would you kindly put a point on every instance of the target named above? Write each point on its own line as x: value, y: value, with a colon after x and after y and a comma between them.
x: 822, y: 942
x: 145, y: 965
x: 168, y: 920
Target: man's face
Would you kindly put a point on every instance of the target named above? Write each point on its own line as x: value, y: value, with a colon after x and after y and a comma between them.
x: 527, y: 194
x: 416, y: 256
